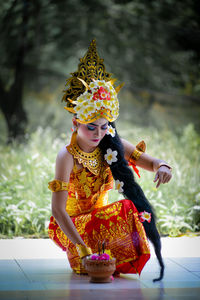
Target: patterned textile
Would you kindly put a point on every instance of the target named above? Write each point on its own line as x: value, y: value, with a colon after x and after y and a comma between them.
x: 119, y: 225
x: 88, y: 191
x: 96, y: 220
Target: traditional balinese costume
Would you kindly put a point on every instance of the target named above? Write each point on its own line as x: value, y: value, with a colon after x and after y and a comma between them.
x: 91, y: 96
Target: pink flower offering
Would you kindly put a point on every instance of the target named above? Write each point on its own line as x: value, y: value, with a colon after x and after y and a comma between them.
x: 94, y: 257
x: 100, y: 266
x: 104, y: 256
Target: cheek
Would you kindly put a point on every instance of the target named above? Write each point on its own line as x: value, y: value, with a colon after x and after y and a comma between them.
x: 86, y: 133
x: 103, y: 133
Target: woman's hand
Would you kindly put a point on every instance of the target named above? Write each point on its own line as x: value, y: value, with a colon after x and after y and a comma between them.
x: 83, y: 260
x: 163, y: 175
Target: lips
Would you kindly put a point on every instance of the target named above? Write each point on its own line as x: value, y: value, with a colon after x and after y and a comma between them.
x: 96, y: 140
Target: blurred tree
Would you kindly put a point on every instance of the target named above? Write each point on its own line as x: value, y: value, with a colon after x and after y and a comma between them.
x: 12, y: 72
x: 150, y: 44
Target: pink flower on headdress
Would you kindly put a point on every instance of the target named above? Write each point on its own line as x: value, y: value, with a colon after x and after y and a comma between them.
x: 95, y: 96
x: 104, y: 95
x: 101, y: 94
x: 108, y: 96
x: 145, y: 216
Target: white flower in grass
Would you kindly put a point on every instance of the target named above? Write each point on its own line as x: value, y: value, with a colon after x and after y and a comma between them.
x: 110, y: 156
x: 111, y: 131
x: 119, y: 186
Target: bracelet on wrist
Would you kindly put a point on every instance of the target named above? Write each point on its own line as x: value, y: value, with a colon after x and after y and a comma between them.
x: 83, y: 250
x: 163, y: 164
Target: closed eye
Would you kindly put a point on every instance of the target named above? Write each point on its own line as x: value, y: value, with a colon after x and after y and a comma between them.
x: 93, y: 127
x: 89, y: 127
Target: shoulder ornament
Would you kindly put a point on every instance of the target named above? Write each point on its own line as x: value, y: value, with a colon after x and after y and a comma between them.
x: 58, y: 185
x: 140, y: 148
x: 135, y: 155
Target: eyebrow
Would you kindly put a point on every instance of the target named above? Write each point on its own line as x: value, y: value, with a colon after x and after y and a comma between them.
x: 97, y: 125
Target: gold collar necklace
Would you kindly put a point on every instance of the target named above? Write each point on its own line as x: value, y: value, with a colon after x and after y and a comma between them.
x: 93, y: 161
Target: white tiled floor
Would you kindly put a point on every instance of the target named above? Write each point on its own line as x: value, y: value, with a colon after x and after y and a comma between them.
x: 38, y: 269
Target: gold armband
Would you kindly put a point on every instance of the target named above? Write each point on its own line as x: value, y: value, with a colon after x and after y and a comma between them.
x: 140, y: 148
x: 58, y: 185
x: 83, y: 251
x: 163, y: 164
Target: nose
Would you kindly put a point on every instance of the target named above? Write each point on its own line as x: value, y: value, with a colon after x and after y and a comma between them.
x: 97, y: 132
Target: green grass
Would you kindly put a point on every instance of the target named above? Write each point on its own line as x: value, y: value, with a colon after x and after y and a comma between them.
x: 25, y: 201
x: 26, y: 169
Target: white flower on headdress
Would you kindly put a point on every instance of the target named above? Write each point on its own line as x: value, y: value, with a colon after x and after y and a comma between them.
x: 87, y: 110
x: 119, y: 185
x: 100, y: 96
x: 81, y: 115
x: 98, y: 104
x: 111, y: 131
x: 110, y: 156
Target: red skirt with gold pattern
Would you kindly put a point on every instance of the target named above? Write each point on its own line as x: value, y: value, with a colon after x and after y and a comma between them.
x: 118, y: 225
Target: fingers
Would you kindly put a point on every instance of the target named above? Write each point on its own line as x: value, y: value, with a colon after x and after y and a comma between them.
x: 158, y: 183
x: 162, y: 177
x: 83, y: 260
x: 166, y: 179
x: 156, y: 177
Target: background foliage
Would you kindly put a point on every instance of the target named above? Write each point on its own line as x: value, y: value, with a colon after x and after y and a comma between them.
x: 26, y: 169
x: 153, y: 46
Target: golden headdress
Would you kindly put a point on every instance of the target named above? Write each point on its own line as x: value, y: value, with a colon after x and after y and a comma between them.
x: 91, y: 94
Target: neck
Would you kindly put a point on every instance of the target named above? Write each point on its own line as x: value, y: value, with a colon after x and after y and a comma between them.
x: 83, y: 146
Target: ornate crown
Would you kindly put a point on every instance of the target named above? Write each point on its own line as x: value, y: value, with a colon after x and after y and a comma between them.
x: 91, y: 94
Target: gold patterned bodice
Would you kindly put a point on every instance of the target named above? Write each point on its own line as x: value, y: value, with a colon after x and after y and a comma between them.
x: 88, y: 186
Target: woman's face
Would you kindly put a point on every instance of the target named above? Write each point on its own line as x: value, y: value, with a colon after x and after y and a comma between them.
x: 91, y: 134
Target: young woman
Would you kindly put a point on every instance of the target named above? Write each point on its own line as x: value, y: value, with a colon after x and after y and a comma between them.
x: 85, y: 171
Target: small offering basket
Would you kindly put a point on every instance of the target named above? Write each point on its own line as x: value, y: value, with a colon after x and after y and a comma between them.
x: 101, y: 266
x: 100, y: 271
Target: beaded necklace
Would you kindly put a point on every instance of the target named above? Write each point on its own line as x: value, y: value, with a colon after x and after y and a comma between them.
x: 93, y: 161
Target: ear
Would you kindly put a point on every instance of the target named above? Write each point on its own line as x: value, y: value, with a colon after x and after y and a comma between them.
x: 74, y: 121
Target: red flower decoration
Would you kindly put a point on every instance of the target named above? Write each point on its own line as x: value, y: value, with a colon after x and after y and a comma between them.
x: 108, y: 96
x: 95, y: 96
x: 145, y: 216
x: 101, y: 94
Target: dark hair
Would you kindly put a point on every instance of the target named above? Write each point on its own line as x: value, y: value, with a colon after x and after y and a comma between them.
x: 132, y: 191
x: 121, y: 171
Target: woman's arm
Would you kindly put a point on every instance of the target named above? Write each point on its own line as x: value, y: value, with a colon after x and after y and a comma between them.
x: 64, y: 166
x: 147, y: 162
